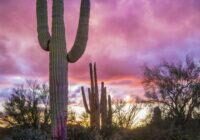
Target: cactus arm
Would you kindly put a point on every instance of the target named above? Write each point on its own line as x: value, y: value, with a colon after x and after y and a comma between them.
x: 102, y: 95
x: 84, y: 100
x: 106, y: 100
x: 109, y: 104
x: 82, y: 33
x: 96, y: 88
x: 91, y: 78
x: 42, y: 24
x: 96, y: 98
x: 92, y: 108
x: 104, y: 114
x: 109, y: 119
x: 95, y: 82
x: 91, y: 101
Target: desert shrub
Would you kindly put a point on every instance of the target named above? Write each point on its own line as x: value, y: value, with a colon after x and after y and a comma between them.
x: 78, y: 132
x: 28, y: 134
x: 176, y: 87
x: 125, y: 114
x: 28, y: 106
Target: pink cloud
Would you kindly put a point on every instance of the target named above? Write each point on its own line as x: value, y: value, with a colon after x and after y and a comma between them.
x: 124, y: 36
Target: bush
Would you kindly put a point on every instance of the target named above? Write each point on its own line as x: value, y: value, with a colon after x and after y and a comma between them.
x: 77, y: 132
x: 28, y: 106
x: 28, y: 134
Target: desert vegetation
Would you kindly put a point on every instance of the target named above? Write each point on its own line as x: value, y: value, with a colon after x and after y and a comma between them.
x: 59, y: 58
x: 167, y: 109
x: 100, y: 110
x: 172, y: 96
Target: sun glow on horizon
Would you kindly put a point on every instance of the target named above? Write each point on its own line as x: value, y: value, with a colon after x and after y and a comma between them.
x: 141, y: 116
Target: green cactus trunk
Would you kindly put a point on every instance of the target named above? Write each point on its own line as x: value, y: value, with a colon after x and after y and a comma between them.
x: 58, y: 74
x: 59, y: 58
x: 99, y: 110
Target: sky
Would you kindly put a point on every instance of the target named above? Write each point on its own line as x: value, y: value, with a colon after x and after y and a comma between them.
x: 124, y: 36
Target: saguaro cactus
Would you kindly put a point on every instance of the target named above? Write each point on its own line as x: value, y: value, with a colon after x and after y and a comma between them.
x: 59, y: 58
x: 105, y: 108
x: 97, y: 108
x: 156, y: 115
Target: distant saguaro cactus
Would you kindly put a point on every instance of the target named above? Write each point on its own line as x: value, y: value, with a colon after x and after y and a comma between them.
x: 98, y: 109
x: 156, y: 115
x: 105, y: 108
x: 59, y: 58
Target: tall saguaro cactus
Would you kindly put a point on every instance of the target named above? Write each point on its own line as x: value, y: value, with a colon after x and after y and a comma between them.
x: 59, y: 58
x: 99, y: 109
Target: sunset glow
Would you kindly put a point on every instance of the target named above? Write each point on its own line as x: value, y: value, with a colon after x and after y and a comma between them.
x: 124, y: 36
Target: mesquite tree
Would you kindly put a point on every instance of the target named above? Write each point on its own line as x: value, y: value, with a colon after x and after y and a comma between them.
x: 176, y: 86
x: 59, y: 58
x: 23, y: 108
x: 125, y: 114
x: 99, y: 109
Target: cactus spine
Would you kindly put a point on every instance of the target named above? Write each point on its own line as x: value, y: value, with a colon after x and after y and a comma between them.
x: 99, y: 109
x: 59, y: 58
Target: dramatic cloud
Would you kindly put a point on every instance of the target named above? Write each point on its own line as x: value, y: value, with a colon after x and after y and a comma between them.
x: 124, y: 36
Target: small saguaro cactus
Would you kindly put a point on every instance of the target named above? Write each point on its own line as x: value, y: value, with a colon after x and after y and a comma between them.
x: 156, y: 115
x: 59, y: 58
x: 97, y: 108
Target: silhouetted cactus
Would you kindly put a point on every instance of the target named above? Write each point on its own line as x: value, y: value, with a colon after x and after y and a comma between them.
x: 59, y: 58
x: 156, y: 115
x: 97, y: 107
x: 105, y: 108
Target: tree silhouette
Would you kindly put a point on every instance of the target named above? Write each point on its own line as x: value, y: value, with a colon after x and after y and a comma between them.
x: 176, y: 87
x: 125, y: 114
x: 28, y: 105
